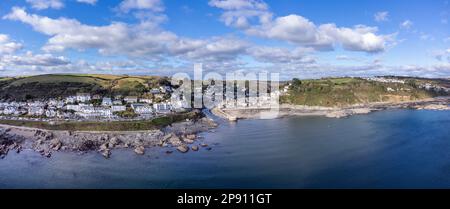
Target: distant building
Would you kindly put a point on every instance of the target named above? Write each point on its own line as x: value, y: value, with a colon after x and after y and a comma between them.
x: 96, y: 96
x: 106, y: 101
x: 36, y: 110
x: 142, y: 109
x: 117, y: 102
x: 144, y: 100
x: 90, y: 111
x: 71, y: 99
x: 51, y: 113
x: 162, y: 107
x: 83, y: 97
x: 131, y: 99
x: 155, y: 91
x: 118, y: 108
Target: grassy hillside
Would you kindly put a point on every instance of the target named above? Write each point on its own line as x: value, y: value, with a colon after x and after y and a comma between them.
x: 62, y: 85
x: 348, y: 91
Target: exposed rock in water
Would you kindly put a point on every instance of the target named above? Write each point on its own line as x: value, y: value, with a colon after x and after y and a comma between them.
x: 113, y: 142
x: 183, y: 148
x: 87, y: 145
x: 106, y: 153
x: 337, y: 114
x: 203, y: 145
x: 188, y: 141
x: 194, y: 148
x: 55, y: 144
x: 175, y: 141
x: 140, y: 150
x: 191, y: 136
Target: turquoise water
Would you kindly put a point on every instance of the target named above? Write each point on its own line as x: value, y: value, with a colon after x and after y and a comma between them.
x: 387, y: 149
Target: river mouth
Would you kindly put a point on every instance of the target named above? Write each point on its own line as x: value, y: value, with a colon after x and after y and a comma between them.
x: 386, y: 149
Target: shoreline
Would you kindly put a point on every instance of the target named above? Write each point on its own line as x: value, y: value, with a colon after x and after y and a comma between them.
x: 181, y: 136
x: 286, y: 110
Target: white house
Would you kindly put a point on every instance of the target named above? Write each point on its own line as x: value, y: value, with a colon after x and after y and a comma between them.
x: 83, y: 97
x: 143, y: 109
x: 117, y: 102
x: 144, y: 100
x: 90, y: 111
x: 131, y: 99
x: 162, y: 107
x: 50, y: 113
x: 106, y: 101
x: 118, y: 108
x: 71, y: 99
x: 10, y: 110
x: 36, y: 110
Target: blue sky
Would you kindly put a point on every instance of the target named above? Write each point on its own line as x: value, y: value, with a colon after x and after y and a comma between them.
x: 296, y: 38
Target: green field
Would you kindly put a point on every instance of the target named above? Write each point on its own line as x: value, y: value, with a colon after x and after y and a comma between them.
x: 63, y: 85
x: 339, y: 92
x: 107, y: 126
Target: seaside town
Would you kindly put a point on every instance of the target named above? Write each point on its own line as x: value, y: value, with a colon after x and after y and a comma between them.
x: 84, y: 106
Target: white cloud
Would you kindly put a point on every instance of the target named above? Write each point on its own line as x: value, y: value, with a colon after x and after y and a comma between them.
x: 297, y: 29
x: 34, y: 60
x: 239, y: 13
x: 46, y: 4
x: 442, y: 55
x: 7, y: 46
x: 144, y: 40
x: 407, y: 24
x: 381, y: 16
x: 152, y: 5
x: 281, y: 55
x: 91, y: 2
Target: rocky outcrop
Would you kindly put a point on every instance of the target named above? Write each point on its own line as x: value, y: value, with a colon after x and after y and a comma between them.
x: 47, y: 141
x: 140, y: 150
x: 183, y: 148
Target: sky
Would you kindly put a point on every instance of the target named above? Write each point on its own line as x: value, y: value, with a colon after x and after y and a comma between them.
x: 295, y: 38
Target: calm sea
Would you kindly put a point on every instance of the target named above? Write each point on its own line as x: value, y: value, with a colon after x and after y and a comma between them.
x: 387, y: 149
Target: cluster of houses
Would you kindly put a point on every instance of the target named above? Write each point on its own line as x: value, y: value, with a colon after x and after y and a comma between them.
x: 81, y: 105
x: 385, y: 80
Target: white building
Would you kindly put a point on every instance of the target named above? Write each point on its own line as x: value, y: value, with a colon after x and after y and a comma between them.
x: 106, y: 101
x: 83, y: 97
x: 162, y: 107
x: 144, y: 100
x: 118, y: 108
x: 142, y: 109
x: 131, y: 99
x: 36, y: 110
x: 117, y: 102
x: 90, y: 111
x: 51, y: 113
